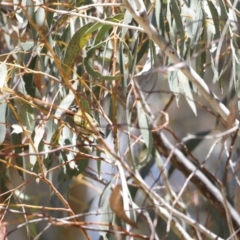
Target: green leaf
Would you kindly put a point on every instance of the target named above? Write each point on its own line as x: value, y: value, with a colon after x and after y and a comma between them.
x: 129, y: 110
x: 125, y: 59
x: 103, y: 28
x: 29, y: 80
x: 132, y: 58
x: 16, y: 140
x: 143, y: 49
x: 186, y: 90
x: 76, y: 44
x: 213, y: 26
x: 223, y: 10
x: 97, y: 44
x: 159, y: 16
x: 146, y: 134
x: 105, y: 195
x: 179, y: 25
x: 236, y: 72
x: 3, y: 129
x: 201, y: 58
x: 103, y: 204
x: 173, y: 84
x: 80, y: 39
x: 196, y: 22
x: 89, y: 67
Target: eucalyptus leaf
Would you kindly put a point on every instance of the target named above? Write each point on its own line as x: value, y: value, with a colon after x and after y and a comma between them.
x: 3, y: 74
x: 186, y: 90
x: 88, y: 61
x: 76, y: 44
x: 3, y: 129
x: 146, y: 133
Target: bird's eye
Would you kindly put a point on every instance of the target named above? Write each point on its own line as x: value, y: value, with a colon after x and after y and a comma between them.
x: 73, y: 108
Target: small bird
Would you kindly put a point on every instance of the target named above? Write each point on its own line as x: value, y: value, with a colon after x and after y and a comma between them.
x: 84, y: 122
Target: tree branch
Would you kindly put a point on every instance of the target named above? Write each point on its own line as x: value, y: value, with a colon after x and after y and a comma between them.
x: 139, y: 13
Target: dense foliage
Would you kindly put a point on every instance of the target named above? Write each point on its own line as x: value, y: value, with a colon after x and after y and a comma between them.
x: 161, y: 78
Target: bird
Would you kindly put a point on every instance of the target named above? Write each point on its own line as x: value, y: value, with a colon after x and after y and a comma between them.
x: 84, y: 122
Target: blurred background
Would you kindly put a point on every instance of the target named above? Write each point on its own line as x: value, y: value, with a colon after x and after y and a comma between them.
x: 55, y: 182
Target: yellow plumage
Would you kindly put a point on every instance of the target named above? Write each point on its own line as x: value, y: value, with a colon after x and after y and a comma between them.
x: 84, y: 122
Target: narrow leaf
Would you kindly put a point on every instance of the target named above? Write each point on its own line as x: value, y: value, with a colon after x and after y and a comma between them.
x: 76, y: 44
x: 116, y: 204
x: 89, y: 67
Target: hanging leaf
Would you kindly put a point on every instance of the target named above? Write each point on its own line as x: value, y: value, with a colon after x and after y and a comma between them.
x: 3, y: 74
x: 146, y: 134
x: 80, y: 39
x: 186, y: 90
x: 76, y: 44
x: 116, y: 204
x: 89, y: 68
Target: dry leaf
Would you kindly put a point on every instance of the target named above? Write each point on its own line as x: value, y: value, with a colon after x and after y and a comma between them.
x: 116, y: 204
x: 232, y: 115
